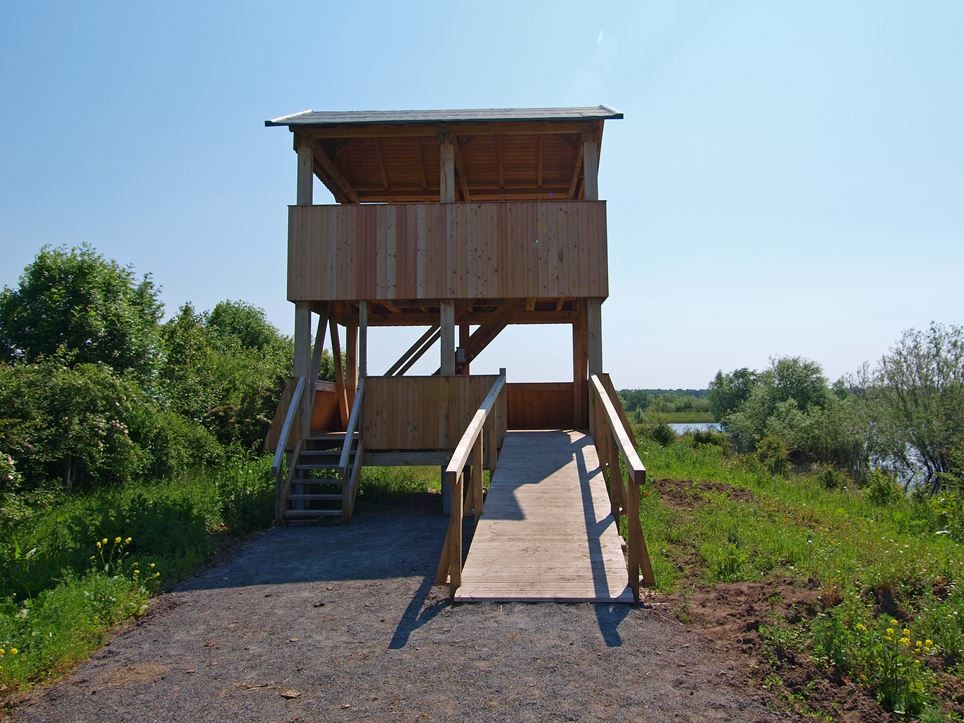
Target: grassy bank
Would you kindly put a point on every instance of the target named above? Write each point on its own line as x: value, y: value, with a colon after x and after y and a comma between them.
x: 892, y: 617
x: 74, y: 564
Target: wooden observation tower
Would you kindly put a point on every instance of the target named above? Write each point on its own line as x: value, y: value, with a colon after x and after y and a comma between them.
x: 461, y: 223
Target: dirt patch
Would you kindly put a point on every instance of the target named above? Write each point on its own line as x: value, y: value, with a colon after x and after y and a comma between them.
x: 688, y: 495
x: 730, y: 615
x: 343, y: 623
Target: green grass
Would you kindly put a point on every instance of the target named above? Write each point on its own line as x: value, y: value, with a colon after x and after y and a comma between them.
x: 59, y: 598
x: 797, y: 528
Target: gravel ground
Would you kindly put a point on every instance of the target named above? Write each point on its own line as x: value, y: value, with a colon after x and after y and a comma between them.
x: 342, y: 622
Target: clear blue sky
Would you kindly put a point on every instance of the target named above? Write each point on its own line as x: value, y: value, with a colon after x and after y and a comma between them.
x: 789, y: 177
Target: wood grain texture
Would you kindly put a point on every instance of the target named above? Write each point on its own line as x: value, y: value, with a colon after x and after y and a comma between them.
x: 487, y: 250
x: 546, y: 532
x: 428, y: 413
x: 539, y: 405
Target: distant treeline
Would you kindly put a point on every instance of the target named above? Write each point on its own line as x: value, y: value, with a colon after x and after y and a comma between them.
x: 640, y: 401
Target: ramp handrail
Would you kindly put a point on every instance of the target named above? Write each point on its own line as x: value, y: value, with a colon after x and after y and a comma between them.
x: 469, y: 447
x: 348, y: 468
x: 612, y: 442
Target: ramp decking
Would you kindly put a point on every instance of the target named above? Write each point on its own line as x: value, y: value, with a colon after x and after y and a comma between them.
x: 546, y: 532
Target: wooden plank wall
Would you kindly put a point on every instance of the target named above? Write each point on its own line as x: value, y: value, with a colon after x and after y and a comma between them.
x: 448, y: 250
x: 426, y: 413
x: 539, y: 405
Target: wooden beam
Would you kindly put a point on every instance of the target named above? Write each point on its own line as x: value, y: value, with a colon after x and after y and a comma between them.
x: 489, y: 330
x: 319, y: 346
x: 333, y: 173
x: 576, y: 173
x: 594, y: 335
x: 411, y: 350
x: 302, y: 365
x: 447, y: 168
x: 539, y: 162
x: 464, y: 332
x: 362, y: 339
x: 447, y: 325
x: 351, y: 360
x: 590, y: 167
x: 460, y: 172
x: 340, y: 389
x: 479, y: 317
x: 580, y: 370
x: 381, y: 162
x: 305, y: 172
x: 428, y: 344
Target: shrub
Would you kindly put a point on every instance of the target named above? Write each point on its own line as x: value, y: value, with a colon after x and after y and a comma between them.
x: 882, y: 489
x: 774, y: 454
x: 830, y: 477
x: 245, y: 493
x: 662, y: 434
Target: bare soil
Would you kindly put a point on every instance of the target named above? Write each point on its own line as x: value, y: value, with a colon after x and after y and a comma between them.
x: 729, y: 617
x: 342, y: 622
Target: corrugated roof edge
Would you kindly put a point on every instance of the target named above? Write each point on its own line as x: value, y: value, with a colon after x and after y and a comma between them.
x: 467, y: 115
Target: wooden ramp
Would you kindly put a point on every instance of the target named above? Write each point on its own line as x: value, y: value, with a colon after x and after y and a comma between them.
x: 546, y: 532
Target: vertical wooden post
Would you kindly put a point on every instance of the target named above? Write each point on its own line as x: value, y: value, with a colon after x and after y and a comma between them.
x: 362, y: 339
x: 447, y: 162
x: 351, y: 360
x: 475, y: 493
x: 590, y: 166
x: 447, y: 322
x: 339, y: 372
x: 580, y: 369
x: 455, y: 530
x: 306, y: 175
x: 463, y: 344
x: 319, y: 345
x: 594, y: 335
x: 303, y: 363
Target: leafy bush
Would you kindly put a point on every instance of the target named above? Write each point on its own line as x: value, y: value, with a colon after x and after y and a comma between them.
x: 661, y: 433
x: 245, y: 493
x: 830, y: 477
x: 882, y: 489
x: 774, y: 454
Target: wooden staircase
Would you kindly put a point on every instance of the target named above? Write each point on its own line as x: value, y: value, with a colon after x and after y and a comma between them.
x: 318, y: 485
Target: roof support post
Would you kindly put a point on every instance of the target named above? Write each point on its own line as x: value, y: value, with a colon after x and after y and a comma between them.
x: 447, y: 164
x: 594, y: 335
x: 580, y: 369
x: 590, y: 166
x: 306, y: 165
x: 447, y: 323
x: 303, y: 361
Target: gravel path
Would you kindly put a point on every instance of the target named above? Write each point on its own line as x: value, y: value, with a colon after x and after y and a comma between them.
x: 341, y: 622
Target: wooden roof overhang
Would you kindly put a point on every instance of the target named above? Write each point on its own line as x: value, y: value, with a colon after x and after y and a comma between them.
x: 500, y: 155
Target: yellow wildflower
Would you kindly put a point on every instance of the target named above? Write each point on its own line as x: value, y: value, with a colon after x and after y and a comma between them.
x: 98, y: 544
x: 151, y: 565
x: 1, y: 651
x: 905, y: 642
x: 890, y: 631
x: 861, y: 627
x: 128, y: 540
x: 117, y: 540
x: 928, y: 642
x: 13, y: 651
x: 906, y: 632
x: 104, y: 541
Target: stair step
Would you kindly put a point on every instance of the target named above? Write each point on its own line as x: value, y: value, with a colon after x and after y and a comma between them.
x: 312, y: 496
x: 316, y: 481
x: 312, y: 513
x: 317, y: 465
x: 329, y: 437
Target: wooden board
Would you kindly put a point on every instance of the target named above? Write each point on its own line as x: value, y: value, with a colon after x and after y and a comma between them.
x: 324, y: 416
x: 487, y: 250
x: 546, y: 531
x: 427, y: 413
x: 539, y: 405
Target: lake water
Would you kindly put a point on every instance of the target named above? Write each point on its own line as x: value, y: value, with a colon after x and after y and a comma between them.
x: 686, y: 427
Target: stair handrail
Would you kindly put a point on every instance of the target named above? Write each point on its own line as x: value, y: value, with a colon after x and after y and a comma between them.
x: 611, y: 436
x: 293, y: 407
x: 470, y: 445
x: 352, y: 425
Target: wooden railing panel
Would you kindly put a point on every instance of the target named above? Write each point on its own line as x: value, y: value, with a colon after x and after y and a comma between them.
x: 324, y: 415
x: 539, y: 405
x: 489, y: 250
x: 418, y: 413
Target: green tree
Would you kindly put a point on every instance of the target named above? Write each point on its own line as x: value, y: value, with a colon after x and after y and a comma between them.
x: 916, y: 401
x: 244, y: 322
x: 728, y: 392
x: 90, y: 310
